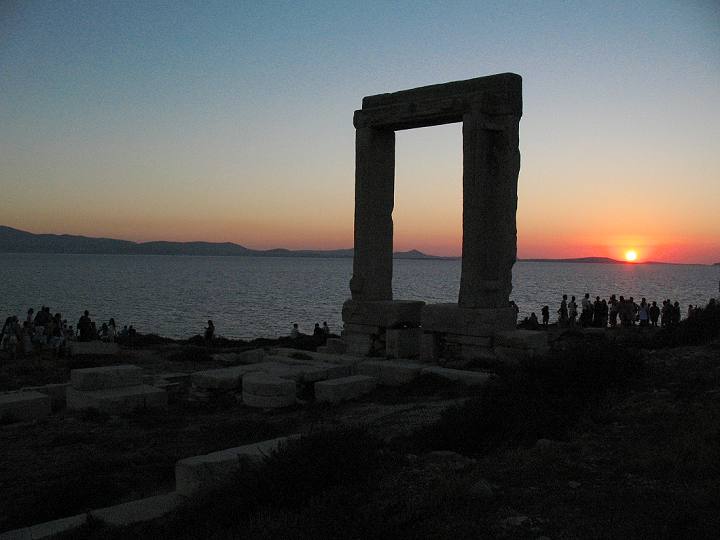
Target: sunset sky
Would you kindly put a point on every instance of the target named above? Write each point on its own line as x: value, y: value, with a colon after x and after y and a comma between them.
x: 232, y: 121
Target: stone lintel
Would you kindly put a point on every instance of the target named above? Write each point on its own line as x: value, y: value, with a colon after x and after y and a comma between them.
x: 508, y: 86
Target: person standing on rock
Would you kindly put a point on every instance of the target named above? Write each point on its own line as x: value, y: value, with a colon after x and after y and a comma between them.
x: 209, y: 332
x: 572, y: 312
x: 563, y: 312
x: 545, y: 311
x: 83, y: 326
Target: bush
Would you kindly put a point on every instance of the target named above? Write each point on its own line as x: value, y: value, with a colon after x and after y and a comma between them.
x: 540, y: 398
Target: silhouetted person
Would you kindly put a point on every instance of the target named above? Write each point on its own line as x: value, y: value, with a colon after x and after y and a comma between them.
x: 209, y: 332
x: 643, y: 313
x: 545, y: 311
x: 654, y: 313
x: 326, y: 328
x: 613, y: 308
x: 597, y: 313
x: 533, y: 323
x: 317, y: 331
x: 586, y: 316
x: 563, y: 312
x: 572, y: 312
x: 84, y: 327
x: 295, y: 332
x: 676, y: 313
x: 603, y: 314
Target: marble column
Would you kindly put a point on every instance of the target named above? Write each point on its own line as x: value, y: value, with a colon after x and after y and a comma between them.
x: 374, y: 201
x: 491, y: 163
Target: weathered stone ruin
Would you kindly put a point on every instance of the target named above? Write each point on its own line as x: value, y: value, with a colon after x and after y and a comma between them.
x: 489, y: 109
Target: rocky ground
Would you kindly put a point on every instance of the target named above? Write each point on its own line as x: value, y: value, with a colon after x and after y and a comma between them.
x: 642, y: 462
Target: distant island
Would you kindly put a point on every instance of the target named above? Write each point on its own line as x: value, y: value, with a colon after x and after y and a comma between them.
x: 16, y: 241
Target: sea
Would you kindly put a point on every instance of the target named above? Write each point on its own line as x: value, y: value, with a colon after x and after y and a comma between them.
x: 251, y: 297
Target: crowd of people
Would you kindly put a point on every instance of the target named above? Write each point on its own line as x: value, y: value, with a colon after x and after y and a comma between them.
x: 601, y: 313
x: 318, y: 331
x: 42, y: 329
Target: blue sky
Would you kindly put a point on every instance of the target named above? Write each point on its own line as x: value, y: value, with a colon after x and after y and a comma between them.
x: 233, y: 120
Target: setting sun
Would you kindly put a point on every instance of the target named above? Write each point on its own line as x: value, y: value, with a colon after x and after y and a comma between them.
x: 630, y: 255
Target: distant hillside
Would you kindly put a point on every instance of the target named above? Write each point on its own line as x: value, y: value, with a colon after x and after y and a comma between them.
x: 17, y: 241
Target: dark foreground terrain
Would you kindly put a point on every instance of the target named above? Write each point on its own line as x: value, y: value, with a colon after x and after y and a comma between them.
x: 600, y: 439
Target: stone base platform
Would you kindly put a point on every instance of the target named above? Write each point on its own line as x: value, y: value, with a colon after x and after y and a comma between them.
x: 117, y: 400
x: 366, y: 322
x: 24, y: 406
x: 451, y: 331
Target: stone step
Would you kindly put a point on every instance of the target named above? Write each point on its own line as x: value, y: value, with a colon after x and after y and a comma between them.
x: 47, y: 530
x: 268, y: 402
x: 390, y: 372
x: 345, y: 388
x: 470, y: 378
x: 139, y: 511
x: 223, y: 378
x: 200, y: 473
x: 264, y: 384
x: 103, y: 378
x: 118, y: 400
x: 24, y: 406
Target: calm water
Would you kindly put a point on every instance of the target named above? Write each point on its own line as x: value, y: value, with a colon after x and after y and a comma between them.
x: 261, y: 296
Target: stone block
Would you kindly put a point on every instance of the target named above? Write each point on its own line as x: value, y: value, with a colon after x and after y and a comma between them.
x: 99, y: 348
x: 479, y: 322
x: 263, y: 384
x: 475, y: 352
x: 253, y: 356
x: 268, y: 402
x: 336, y: 390
x: 24, y: 406
x: 117, y: 400
x: 174, y: 377
x: 57, y: 391
x: 199, y: 473
x: 223, y: 378
x: 403, y: 342
x: 322, y: 349
x: 477, y: 341
x: 358, y: 344
x: 350, y: 328
x: 139, y: 511
x: 429, y: 350
x: 340, y: 359
x: 389, y: 372
x: 522, y: 339
x: 335, y: 345
x: 383, y: 313
x: 227, y: 359
x: 470, y: 378
x: 103, y: 378
x: 47, y: 530
x: 512, y: 355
